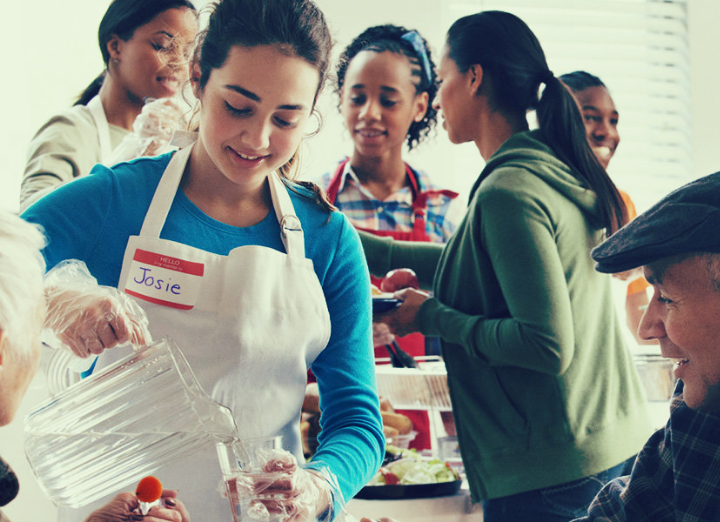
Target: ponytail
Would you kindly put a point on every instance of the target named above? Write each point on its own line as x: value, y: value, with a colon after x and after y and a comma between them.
x: 562, y: 129
x: 91, y: 90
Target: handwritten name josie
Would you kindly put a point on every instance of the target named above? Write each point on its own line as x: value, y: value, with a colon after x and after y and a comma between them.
x: 147, y: 279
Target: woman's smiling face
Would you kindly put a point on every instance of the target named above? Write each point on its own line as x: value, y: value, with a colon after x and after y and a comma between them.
x: 601, y: 119
x: 154, y: 61
x: 379, y: 101
x: 254, y: 110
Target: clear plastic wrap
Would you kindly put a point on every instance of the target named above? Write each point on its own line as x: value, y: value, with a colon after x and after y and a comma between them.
x: 86, y: 318
x: 152, y: 130
x: 272, y: 487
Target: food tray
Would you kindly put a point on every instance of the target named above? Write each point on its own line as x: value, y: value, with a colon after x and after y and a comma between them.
x: 415, y: 389
x: 405, y: 491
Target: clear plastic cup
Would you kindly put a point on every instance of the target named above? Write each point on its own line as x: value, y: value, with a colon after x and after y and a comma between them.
x: 240, y: 461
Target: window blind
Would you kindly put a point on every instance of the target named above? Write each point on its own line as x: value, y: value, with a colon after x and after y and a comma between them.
x: 640, y: 50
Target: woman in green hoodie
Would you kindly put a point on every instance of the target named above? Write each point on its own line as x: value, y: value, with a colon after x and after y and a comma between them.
x: 547, y: 402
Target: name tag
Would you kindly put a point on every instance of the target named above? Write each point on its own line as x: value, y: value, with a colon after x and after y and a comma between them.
x: 164, y: 280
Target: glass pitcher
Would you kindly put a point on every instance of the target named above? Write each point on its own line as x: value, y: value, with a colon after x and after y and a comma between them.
x: 124, y: 422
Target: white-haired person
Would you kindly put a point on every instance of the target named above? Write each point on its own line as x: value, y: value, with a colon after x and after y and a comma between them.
x: 22, y: 312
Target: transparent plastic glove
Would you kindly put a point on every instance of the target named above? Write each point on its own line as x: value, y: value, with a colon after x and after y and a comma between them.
x: 88, y: 318
x: 282, y: 491
x: 152, y: 130
x: 125, y: 506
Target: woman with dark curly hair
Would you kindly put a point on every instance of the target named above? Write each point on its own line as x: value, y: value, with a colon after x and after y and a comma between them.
x: 386, y: 81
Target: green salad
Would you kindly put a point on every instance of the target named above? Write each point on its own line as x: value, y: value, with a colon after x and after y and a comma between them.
x: 405, y: 466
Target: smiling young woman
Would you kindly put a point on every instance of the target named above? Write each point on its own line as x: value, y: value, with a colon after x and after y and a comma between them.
x: 278, y: 281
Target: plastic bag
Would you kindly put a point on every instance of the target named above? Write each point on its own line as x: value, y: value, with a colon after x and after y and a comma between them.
x: 86, y: 318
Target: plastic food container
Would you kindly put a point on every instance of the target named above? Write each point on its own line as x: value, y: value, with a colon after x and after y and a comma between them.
x: 423, y: 388
x: 656, y: 374
x: 402, y: 441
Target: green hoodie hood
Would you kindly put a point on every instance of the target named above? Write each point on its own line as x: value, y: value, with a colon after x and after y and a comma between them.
x: 528, y: 151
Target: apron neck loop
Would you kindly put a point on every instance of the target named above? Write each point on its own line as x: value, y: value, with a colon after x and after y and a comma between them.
x: 291, y: 231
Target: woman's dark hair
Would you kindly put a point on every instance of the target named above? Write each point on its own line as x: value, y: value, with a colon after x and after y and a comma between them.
x: 578, y: 81
x: 514, y: 63
x: 296, y: 27
x: 390, y: 38
x: 121, y: 19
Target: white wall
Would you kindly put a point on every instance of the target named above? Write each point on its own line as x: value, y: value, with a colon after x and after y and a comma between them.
x: 50, y: 54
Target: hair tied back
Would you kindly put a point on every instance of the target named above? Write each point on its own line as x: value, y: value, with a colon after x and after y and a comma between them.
x: 417, y: 42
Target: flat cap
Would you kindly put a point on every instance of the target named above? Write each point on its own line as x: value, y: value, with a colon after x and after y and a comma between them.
x: 685, y: 221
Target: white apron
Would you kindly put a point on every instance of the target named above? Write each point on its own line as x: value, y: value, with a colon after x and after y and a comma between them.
x: 103, y: 128
x: 249, y: 324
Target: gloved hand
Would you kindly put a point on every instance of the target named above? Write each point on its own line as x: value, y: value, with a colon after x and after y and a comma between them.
x: 156, y: 123
x: 88, y: 318
x: 152, y: 130
x: 125, y: 506
x: 280, y: 488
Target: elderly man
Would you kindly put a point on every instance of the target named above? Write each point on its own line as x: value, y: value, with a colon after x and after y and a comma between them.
x: 676, y: 476
x: 22, y: 311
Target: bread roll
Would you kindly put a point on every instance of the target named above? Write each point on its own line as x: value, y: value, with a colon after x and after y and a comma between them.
x: 395, y: 420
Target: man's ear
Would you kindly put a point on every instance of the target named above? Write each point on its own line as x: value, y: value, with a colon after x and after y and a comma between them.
x: 114, y: 47
x: 475, y: 78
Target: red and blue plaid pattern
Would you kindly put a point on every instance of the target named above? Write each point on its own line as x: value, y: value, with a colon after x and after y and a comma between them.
x: 395, y: 214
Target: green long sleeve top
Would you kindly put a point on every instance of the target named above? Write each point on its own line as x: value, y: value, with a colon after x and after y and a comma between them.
x: 543, y: 386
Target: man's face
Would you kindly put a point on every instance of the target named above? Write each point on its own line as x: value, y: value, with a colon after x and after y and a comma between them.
x: 684, y: 316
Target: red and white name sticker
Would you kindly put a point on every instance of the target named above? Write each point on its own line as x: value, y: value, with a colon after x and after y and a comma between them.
x: 164, y: 280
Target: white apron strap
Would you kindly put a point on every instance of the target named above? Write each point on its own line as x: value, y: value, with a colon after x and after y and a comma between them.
x: 103, y: 128
x: 290, y: 228
x: 165, y: 194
